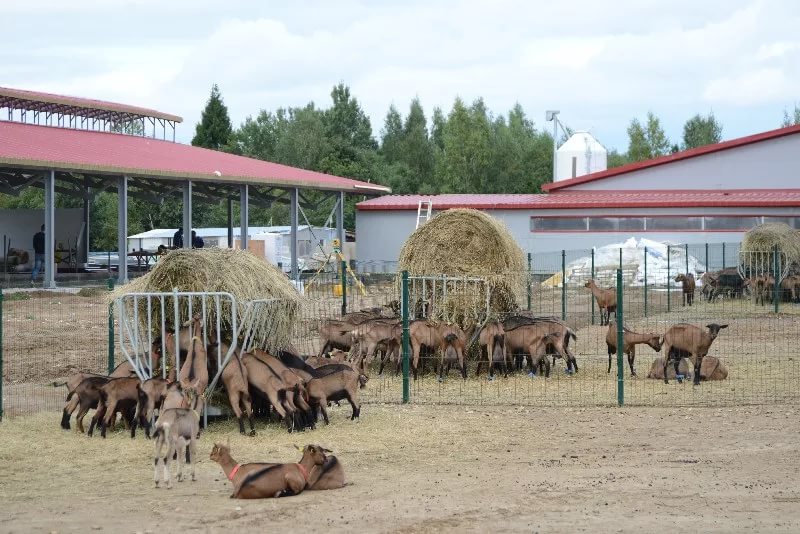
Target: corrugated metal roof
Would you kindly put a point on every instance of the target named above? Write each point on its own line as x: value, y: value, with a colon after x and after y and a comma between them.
x: 678, y: 156
x: 595, y: 199
x: 84, y: 103
x: 43, y: 147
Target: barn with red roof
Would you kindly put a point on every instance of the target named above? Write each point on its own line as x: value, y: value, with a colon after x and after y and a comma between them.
x: 712, y: 194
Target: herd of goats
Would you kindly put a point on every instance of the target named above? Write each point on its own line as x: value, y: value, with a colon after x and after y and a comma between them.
x: 298, y: 389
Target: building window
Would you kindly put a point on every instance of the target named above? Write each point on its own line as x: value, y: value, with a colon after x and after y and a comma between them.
x: 731, y: 223
x: 661, y: 224
x: 794, y: 222
x: 616, y: 224
x: 558, y: 224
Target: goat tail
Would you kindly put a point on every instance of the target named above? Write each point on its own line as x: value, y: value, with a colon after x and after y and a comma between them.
x: 571, y: 334
x: 70, y: 394
x: 162, y: 431
x: 362, y: 380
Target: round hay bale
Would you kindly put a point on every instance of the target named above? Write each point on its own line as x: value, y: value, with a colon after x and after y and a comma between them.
x: 238, y: 272
x: 765, y: 237
x: 467, y: 243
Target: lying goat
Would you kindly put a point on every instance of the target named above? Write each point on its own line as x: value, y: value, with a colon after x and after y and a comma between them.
x: 282, y: 480
x: 177, y: 428
x: 331, y: 474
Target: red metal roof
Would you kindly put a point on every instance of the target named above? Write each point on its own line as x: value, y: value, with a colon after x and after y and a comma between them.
x: 43, y: 147
x: 678, y: 156
x: 86, y: 103
x: 742, y: 198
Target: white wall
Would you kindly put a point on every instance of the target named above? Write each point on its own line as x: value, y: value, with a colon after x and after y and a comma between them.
x: 20, y: 225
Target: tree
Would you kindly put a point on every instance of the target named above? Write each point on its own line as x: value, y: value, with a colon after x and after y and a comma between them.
x: 214, y: 129
x: 615, y: 159
x: 791, y: 120
x: 392, y: 136
x: 647, y: 142
x: 701, y: 131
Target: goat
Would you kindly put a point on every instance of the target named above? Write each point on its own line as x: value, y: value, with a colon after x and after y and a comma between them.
x: 336, y: 382
x: 281, y: 480
x: 194, y: 371
x: 178, y: 429
x: 266, y: 382
x: 492, y: 339
x: 657, y: 369
x: 86, y: 395
x: 687, y: 287
x: 691, y: 339
x: 712, y: 367
x: 295, y: 394
x: 123, y: 369
x: 371, y: 334
x: 118, y: 394
x: 331, y: 476
x: 709, y: 283
x: 606, y: 301
x: 425, y: 334
x: 526, y: 337
x: 727, y: 281
x: 151, y: 394
x: 629, y: 341
x: 234, y: 378
x: 452, y: 350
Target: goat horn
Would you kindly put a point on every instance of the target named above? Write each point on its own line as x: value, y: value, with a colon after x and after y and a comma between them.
x: 298, y: 448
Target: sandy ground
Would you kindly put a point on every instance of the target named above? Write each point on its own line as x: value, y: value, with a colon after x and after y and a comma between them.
x: 434, y: 469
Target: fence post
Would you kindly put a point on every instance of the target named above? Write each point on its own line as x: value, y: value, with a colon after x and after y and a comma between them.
x: 645, y: 281
x: 563, y: 285
x: 110, y: 329
x: 669, y: 286
x: 775, y: 266
x: 406, y: 341
x: 592, y: 279
x: 529, y: 281
x: 343, y: 267
x: 706, y: 264
x: 723, y: 254
x: 620, y: 335
x: 1, y: 353
x: 686, y: 253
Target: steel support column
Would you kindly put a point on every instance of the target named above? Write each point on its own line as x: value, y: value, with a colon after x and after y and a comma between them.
x: 293, y: 208
x: 230, y: 222
x: 340, y: 219
x: 85, y: 237
x: 49, y: 229
x: 122, y: 230
x: 244, y: 201
x: 187, y: 210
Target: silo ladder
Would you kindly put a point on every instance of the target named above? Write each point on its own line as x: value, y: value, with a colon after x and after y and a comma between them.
x: 424, y: 211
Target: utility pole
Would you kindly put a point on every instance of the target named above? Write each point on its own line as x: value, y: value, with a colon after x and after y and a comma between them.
x: 552, y: 115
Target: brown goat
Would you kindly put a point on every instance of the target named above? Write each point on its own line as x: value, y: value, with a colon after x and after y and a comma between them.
x: 656, y: 371
x: 691, y: 339
x: 118, y: 394
x: 336, y: 382
x: 151, y: 393
x: 606, y: 301
x: 194, y: 371
x: 372, y: 334
x: 281, y: 480
x: 177, y: 428
x: 331, y: 477
x: 425, y: 334
x: 526, y: 337
x: 234, y: 378
x: 85, y: 395
x: 687, y: 287
x: 629, y: 341
x: 492, y: 340
x: 263, y: 379
x: 452, y: 351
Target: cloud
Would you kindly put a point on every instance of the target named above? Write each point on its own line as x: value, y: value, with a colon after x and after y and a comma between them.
x: 754, y: 87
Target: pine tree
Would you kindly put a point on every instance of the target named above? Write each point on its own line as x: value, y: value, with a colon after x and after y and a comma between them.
x: 214, y: 129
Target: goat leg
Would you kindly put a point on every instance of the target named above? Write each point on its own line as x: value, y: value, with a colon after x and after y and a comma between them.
x: 697, y: 364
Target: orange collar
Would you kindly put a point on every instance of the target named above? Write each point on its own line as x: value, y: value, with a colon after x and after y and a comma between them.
x: 234, y: 471
x: 303, y: 472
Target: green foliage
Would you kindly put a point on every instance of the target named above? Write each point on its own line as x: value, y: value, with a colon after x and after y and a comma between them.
x: 615, y: 159
x: 700, y: 131
x: 648, y: 141
x: 214, y: 129
x: 791, y: 119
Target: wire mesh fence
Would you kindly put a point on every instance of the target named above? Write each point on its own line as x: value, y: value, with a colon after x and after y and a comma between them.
x: 48, y: 335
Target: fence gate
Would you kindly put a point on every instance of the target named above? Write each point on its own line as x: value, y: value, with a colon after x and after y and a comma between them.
x: 448, y: 298
x: 144, y: 318
x: 754, y: 263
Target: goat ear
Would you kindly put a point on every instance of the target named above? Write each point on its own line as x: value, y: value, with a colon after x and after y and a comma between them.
x: 327, y: 451
x: 723, y: 326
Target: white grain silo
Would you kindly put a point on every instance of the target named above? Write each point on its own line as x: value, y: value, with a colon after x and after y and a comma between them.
x: 581, y: 154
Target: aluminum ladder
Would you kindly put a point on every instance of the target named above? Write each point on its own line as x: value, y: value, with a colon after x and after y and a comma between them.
x: 424, y: 211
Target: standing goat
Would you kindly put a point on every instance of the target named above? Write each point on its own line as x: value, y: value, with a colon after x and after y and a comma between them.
x: 177, y: 428
x: 691, y: 339
x: 606, y: 301
x: 629, y: 341
x: 493, y: 339
x: 687, y: 287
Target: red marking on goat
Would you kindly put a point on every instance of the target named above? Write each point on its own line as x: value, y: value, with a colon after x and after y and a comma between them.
x: 233, y: 472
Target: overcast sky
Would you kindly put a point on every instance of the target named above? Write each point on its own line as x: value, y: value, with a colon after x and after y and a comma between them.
x: 599, y: 62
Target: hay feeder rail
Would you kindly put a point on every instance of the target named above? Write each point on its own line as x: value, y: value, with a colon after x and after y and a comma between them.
x: 439, y: 291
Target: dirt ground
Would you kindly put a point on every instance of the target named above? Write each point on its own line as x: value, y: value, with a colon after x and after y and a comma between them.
x: 433, y: 469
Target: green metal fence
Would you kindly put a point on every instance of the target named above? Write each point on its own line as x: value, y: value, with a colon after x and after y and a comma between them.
x: 44, y: 336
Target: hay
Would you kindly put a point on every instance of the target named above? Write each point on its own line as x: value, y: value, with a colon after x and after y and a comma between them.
x: 467, y: 243
x: 240, y: 273
x: 765, y: 237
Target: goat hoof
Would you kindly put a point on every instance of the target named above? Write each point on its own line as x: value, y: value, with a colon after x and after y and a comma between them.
x: 252, y: 433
